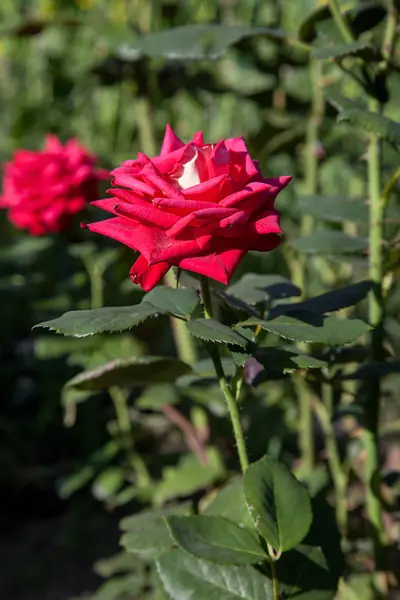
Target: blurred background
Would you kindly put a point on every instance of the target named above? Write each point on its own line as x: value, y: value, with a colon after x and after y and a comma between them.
x: 80, y: 68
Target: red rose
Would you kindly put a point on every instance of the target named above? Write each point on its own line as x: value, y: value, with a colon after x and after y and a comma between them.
x: 197, y: 206
x: 43, y: 190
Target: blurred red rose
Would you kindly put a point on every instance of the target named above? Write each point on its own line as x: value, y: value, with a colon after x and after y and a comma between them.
x: 43, y: 190
x: 197, y: 206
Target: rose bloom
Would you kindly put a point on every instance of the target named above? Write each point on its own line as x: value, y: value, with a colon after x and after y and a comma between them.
x: 196, y: 206
x: 44, y: 190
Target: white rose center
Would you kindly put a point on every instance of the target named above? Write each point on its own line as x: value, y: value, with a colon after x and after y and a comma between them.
x: 190, y: 175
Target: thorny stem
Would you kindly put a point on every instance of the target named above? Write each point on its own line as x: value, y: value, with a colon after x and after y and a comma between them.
x: 223, y: 382
x: 376, y: 317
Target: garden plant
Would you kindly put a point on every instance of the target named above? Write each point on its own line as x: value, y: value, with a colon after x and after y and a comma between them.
x: 206, y: 248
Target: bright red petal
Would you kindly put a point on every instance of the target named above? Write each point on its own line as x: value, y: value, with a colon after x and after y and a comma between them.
x: 144, y: 275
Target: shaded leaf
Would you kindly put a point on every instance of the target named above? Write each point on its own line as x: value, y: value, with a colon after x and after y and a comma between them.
x: 136, y: 521
x: 278, y: 360
x: 76, y: 481
x: 334, y: 209
x: 193, y: 41
x: 330, y: 242
x: 254, y: 289
x: 107, y: 483
x: 279, y: 505
x: 312, y: 570
x: 136, y: 371
x: 328, y: 302
x: 304, y: 326
x: 211, y: 330
x: 216, y: 538
x: 373, y: 370
x: 360, y: 49
x: 156, y: 396
x: 372, y: 122
x: 342, y: 103
x: 188, y: 476
x: 186, y: 577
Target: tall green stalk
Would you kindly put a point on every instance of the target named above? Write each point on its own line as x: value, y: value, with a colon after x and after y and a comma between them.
x: 341, y: 21
x: 300, y: 270
x: 184, y: 342
x: 223, y: 382
x: 376, y: 305
x: 376, y: 317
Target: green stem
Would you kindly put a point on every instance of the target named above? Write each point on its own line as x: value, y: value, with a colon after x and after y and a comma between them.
x: 339, y: 477
x: 341, y: 21
x: 275, y: 581
x: 306, y: 433
x: 185, y: 345
x: 95, y: 276
x: 376, y: 317
x: 223, y: 382
x: 120, y: 402
x: 390, y: 33
x: 305, y: 430
x: 96, y: 284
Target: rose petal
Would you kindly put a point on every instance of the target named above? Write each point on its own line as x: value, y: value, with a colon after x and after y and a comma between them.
x: 117, y: 228
x: 147, y: 276
x: 147, y: 213
x: 171, y: 141
x: 219, y: 266
x: 200, y: 218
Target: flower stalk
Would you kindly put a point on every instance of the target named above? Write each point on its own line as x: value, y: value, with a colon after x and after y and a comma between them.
x: 223, y: 382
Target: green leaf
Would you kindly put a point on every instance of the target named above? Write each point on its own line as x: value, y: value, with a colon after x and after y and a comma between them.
x: 118, y: 563
x: 108, y: 483
x: 308, y: 568
x: 279, y: 505
x: 138, y: 519
x: 372, y: 122
x: 334, y: 209
x: 136, y: 371
x: 328, y: 302
x: 186, y: 577
x: 312, y: 570
x: 149, y: 539
x: 303, y: 326
x: 193, y: 41
x: 25, y: 251
x: 156, y: 396
x: 359, y: 49
x: 281, y: 360
x: 330, y: 242
x: 211, y: 330
x: 217, y: 539
x: 230, y: 502
x: 342, y: 103
x: 69, y: 485
x: 80, y: 323
x: 254, y: 289
x: 189, y: 476
x: 180, y: 303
